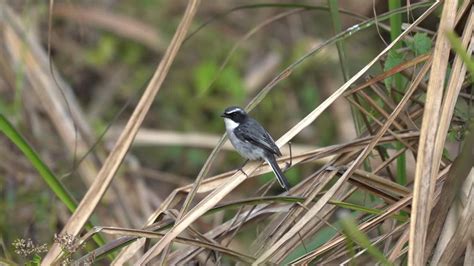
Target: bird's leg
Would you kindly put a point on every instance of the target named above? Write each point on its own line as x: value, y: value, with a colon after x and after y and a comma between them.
x: 241, y: 168
x: 288, y: 164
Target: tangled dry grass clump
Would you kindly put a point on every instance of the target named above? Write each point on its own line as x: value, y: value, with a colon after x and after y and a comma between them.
x: 400, y: 192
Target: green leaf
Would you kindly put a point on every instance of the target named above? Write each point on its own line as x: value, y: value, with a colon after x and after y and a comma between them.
x: 54, y: 183
x: 393, y: 59
x: 363, y: 209
x: 459, y: 49
x: 452, y: 135
x: 48, y: 176
x: 422, y: 43
x: 353, y: 233
x: 36, y: 260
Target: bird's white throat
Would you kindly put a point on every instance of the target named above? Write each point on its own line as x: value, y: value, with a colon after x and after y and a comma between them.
x: 230, y: 124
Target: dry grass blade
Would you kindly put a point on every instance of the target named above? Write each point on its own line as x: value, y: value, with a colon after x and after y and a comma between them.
x: 150, y: 234
x: 366, y: 226
x: 397, y: 249
x: 451, y: 189
x: 147, y: 137
x: 427, y: 167
x: 197, y: 182
x: 121, y: 25
x: 106, y: 174
x: 130, y: 250
x: 283, y: 75
x: 377, y: 182
x: 284, y: 222
x: 469, y: 256
x: 318, y: 206
x: 218, y: 180
x: 181, y: 256
x: 217, y: 195
x: 390, y: 73
x: 28, y: 52
x: 395, y: 153
x: 453, y: 89
x: 391, y: 209
x: 368, y: 114
x: 458, y: 227
x: 375, y: 242
x: 324, y: 199
x: 212, y: 183
x: 206, y: 204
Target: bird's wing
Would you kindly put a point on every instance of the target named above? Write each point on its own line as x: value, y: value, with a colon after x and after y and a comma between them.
x: 254, y: 133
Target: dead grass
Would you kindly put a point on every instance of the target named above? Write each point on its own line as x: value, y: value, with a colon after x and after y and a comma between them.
x: 428, y: 220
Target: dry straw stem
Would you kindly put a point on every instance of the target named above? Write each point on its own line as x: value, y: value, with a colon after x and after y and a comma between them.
x: 310, y: 188
x: 56, y: 97
x: 399, y: 245
x: 323, y: 200
x: 389, y: 73
x: 218, y: 194
x: 307, y: 258
x: 117, y: 231
x: 365, y: 227
x: 469, y: 256
x: 458, y: 228
x: 27, y: 52
x: 200, y: 177
x: 375, y: 242
x: 275, y: 250
x: 454, y: 184
x: 283, y: 75
x: 458, y: 74
x: 150, y: 137
x: 121, y: 25
x: 212, y: 183
x: 226, y: 227
x: 429, y: 155
x: 113, y: 161
x: 367, y: 113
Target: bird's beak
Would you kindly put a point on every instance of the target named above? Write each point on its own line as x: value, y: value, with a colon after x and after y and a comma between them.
x: 223, y: 115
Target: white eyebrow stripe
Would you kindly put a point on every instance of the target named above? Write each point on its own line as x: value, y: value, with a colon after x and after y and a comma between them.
x: 234, y: 110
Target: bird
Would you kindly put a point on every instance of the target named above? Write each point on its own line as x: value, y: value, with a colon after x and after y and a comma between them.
x: 252, y: 141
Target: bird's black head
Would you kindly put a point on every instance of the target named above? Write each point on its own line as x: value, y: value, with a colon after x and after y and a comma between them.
x: 235, y: 113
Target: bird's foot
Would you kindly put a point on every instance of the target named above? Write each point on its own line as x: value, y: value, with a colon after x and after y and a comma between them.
x: 241, y: 168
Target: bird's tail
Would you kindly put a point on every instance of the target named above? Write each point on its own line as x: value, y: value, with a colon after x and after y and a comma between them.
x: 278, y: 173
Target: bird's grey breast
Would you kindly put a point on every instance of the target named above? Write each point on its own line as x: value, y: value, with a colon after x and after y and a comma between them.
x: 244, y: 147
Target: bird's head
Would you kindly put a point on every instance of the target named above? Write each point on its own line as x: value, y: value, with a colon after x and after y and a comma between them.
x: 233, y: 116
